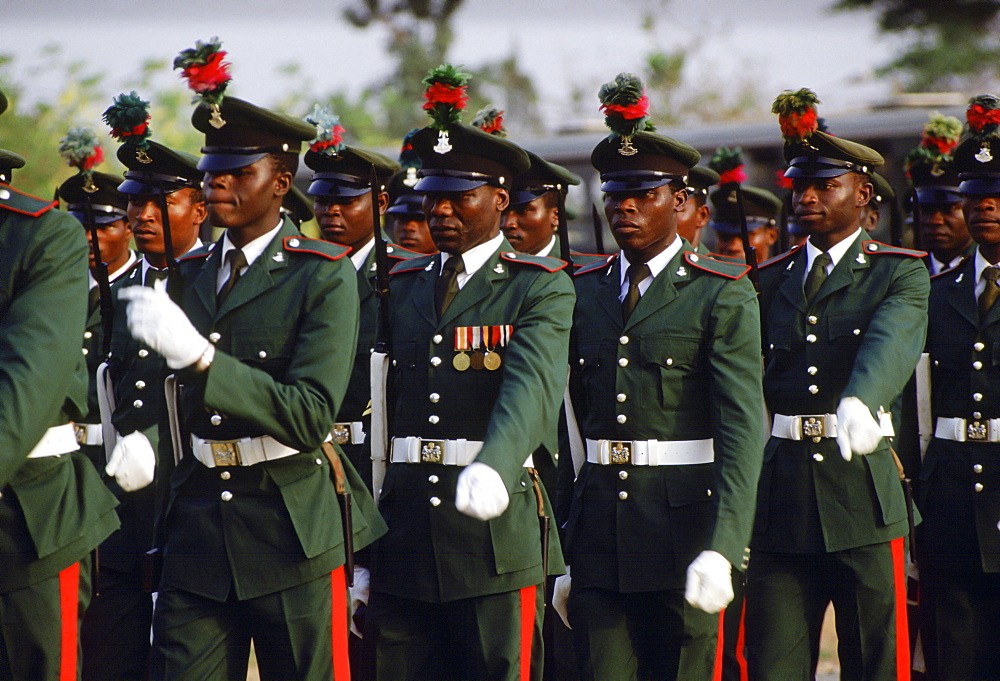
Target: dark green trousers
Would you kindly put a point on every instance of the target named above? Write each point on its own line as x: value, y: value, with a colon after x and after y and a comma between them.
x: 472, y: 639
x: 199, y: 639
x: 33, y: 622
x: 787, y: 596
x: 647, y: 636
x: 115, y: 631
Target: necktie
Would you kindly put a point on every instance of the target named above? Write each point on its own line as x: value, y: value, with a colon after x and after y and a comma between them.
x: 447, y: 284
x: 154, y: 275
x: 636, y: 274
x: 237, y: 261
x: 990, y: 293
x: 817, y: 275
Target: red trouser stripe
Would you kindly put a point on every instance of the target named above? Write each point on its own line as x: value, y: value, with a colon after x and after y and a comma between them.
x: 338, y: 591
x: 527, y: 630
x: 741, y: 641
x: 902, y: 629
x: 720, y: 647
x: 69, y: 607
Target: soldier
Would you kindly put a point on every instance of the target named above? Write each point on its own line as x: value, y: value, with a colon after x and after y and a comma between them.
x: 115, y: 633
x: 883, y: 195
x: 479, y: 336
x: 959, y: 542
x: 696, y: 213
x: 405, y: 216
x: 254, y: 544
x: 761, y: 208
x: 844, y: 323
x: 935, y: 202
x: 107, y: 209
x: 666, y: 386
x: 53, y: 507
x: 531, y: 222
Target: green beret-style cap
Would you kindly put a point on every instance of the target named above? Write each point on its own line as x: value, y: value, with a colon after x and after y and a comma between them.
x: 463, y: 158
x: 827, y: 156
x: 648, y: 160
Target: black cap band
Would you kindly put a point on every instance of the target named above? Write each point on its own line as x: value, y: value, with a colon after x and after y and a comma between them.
x: 822, y: 166
x: 937, y: 194
x: 636, y: 180
x: 145, y: 182
x: 979, y: 184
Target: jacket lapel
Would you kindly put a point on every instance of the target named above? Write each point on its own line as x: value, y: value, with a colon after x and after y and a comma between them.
x: 844, y: 272
x: 366, y: 278
x: 205, y: 280
x: 479, y: 286
x: 610, y: 289
x: 793, y: 278
x: 659, y: 294
x: 258, y: 277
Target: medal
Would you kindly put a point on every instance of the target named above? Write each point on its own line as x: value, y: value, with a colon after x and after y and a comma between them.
x: 461, y: 361
x: 477, y: 360
x: 492, y: 361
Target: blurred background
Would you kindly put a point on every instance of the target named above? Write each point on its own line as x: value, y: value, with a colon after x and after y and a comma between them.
x: 711, y: 68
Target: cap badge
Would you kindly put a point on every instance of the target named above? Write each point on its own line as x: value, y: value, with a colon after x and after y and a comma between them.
x: 984, y: 155
x: 936, y: 170
x: 278, y: 257
x: 88, y: 183
x: 626, y: 149
x: 142, y: 157
x: 215, y: 119
x: 443, y: 145
x: 411, y: 177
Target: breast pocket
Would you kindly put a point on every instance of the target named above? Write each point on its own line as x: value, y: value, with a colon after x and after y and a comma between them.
x: 678, y: 360
x: 268, y: 348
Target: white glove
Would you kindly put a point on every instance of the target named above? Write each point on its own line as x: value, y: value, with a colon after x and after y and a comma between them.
x: 857, y: 429
x: 133, y: 462
x: 158, y: 322
x: 560, y: 596
x: 480, y: 492
x: 709, y: 582
x: 359, y: 595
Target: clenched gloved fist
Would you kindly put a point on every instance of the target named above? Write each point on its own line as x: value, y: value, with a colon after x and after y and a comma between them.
x: 709, y: 582
x: 158, y: 322
x: 560, y: 596
x: 857, y: 429
x: 480, y: 492
x: 132, y: 462
x: 359, y: 595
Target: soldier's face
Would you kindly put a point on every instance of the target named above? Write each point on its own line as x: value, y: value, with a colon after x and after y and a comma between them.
x: 943, y: 230
x: 347, y: 220
x: 982, y: 215
x: 112, y: 240
x: 185, y: 214
x: 245, y: 196
x: 529, y: 227
x: 830, y: 205
x: 692, y: 218
x: 644, y: 222
x: 412, y: 233
x: 459, y: 221
x: 761, y: 239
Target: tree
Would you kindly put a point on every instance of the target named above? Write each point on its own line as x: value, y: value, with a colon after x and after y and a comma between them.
x: 953, y: 44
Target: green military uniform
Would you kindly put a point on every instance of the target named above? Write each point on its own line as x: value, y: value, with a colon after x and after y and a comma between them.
x: 958, y: 542
x: 53, y: 508
x: 453, y: 596
x: 828, y: 529
x: 700, y: 180
x: 257, y: 550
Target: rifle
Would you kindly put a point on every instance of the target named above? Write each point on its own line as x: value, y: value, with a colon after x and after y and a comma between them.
x: 174, y: 287
x: 895, y: 222
x: 595, y: 217
x: 914, y: 204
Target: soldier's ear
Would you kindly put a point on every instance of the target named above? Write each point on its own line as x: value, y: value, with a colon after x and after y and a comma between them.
x: 865, y: 191
x: 383, y: 202
x: 502, y: 199
x: 680, y: 197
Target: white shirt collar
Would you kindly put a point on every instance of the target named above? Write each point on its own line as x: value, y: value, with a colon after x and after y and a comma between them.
x: 980, y: 265
x: 146, y: 266
x: 114, y: 276
x: 474, y: 258
x: 359, y: 256
x: 252, y: 251
x: 548, y: 248
x: 656, y: 265
x: 836, y: 251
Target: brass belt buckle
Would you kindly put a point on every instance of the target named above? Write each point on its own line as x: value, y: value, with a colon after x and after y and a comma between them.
x: 813, y: 427
x: 226, y: 453
x: 341, y: 433
x: 80, y: 430
x: 432, y: 451
x: 621, y: 452
x: 976, y: 430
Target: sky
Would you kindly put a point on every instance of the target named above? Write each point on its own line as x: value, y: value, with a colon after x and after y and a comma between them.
x: 775, y: 44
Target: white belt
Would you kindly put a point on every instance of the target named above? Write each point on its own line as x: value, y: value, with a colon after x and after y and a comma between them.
x: 57, y: 440
x: 351, y: 433
x: 89, y: 433
x: 650, y: 452
x: 964, y: 430
x: 243, y: 452
x: 459, y: 452
x: 818, y: 426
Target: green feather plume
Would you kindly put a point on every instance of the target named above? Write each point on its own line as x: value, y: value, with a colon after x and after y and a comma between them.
x: 624, y: 105
x: 128, y: 118
x: 490, y: 120
x: 81, y: 148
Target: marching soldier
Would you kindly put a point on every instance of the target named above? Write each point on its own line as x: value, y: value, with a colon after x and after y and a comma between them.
x: 53, y: 507
x: 254, y: 544
x: 936, y: 203
x: 479, y: 337
x: 844, y: 320
x: 959, y: 540
x: 405, y: 219
x: 761, y: 208
x: 115, y: 633
x: 531, y: 222
x: 666, y: 386
x: 696, y: 212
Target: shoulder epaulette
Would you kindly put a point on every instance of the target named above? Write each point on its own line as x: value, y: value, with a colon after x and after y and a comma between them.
x: 726, y: 258
x: 202, y: 251
x: 584, y: 259
x: 399, y: 253
x: 951, y: 270
x: 721, y: 267
x: 877, y: 247
x: 596, y: 265
x: 543, y: 261
x: 17, y: 201
x: 778, y: 258
x: 327, y: 249
x: 413, y: 264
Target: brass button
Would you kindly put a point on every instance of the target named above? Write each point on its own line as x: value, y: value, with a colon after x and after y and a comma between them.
x: 977, y: 365
x: 435, y: 361
x: 262, y: 354
x: 137, y: 404
x: 226, y: 496
x: 817, y: 457
x: 812, y: 371
x: 216, y: 420
x: 435, y: 501
x: 978, y: 468
x: 140, y: 384
x: 433, y: 418
x: 214, y: 336
x: 814, y: 389
x: 856, y: 332
x: 319, y: 462
x: 978, y: 397
x: 978, y: 487
x: 85, y: 351
x: 434, y: 397
x: 812, y: 319
x: 433, y: 479
x: 977, y: 414
x: 623, y: 340
x: 670, y: 361
x: 437, y: 339
x: 811, y: 338
x: 623, y: 475
x: 623, y: 495
x: 622, y: 418
x: 581, y: 361
x: 978, y: 347
x: 293, y: 242
x: 623, y: 362
x: 144, y: 353
x: 708, y: 492
x: 88, y: 334
x: 621, y: 397
x: 225, y: 475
